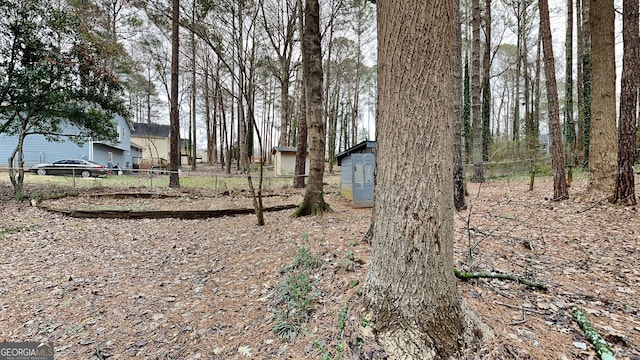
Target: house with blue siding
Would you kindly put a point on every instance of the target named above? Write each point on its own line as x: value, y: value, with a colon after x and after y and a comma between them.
x: 37, y: 149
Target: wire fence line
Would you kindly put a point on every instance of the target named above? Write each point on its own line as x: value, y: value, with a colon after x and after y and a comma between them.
x: 207, y: 178
x: 217, y: 179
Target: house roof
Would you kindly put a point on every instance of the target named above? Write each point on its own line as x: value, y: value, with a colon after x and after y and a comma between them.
x: 361, y: 147
x: 154, y: 130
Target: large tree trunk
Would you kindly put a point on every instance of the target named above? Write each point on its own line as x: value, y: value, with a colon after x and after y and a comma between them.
x: 417, y: 312
x: 313, y: 203
x: 625, y: 189
x: 603, y: 141
x: 560, y: 191
x: 174, y: 116
x: 476, y: 88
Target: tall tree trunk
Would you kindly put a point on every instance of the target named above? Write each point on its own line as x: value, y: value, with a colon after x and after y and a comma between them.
x: 516, y: 103
x: 468, y: 134
x: 531, y: 139
x: 333, y: 125
x: 560, y: 191
x: 313, y: 203
x: 417, y: 312
x: 579, y: 145
x: 568, y: 95
x: 301, y: 148
x: 476, y: 88
x: 284, y: 108
x: 586, y: 81
x: 194, y: 148
x: 459, y: 200
x: 625, y: 188
x: 174, y: 116
x: 536, y: 96
x: 603, y: 143
x: 486, y: 84
x: 210, y: 124
x: 17, y: 180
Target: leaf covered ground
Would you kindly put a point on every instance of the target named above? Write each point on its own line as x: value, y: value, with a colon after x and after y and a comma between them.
x: 225, y: 288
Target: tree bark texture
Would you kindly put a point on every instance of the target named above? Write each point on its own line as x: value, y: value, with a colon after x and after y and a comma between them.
x: 174, y: 116
x: 476, y: 89
x: 459, y: 200
x: 301, y: 150
x: 560, y: 190
x: 625, y: 189
x: 603, y: 140
x: 585, y: 109
x: 579, y: 146
x: 486, y: 84
x: 313, y: 203
x: 417, y: 312
x: 568, y: 98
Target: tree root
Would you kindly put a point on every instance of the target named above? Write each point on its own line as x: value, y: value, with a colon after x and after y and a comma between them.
x: 602, y: 348
x: 464, y: 275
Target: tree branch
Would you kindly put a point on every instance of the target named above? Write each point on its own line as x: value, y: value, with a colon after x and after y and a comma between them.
x: 602, y: 348
x: 464, y: 275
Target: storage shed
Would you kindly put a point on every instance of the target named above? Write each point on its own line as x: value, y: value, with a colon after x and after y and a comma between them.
x: 357, y: 165
x: 284, y: 161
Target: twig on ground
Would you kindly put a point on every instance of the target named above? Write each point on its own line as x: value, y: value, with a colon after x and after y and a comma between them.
x: 521, y: 308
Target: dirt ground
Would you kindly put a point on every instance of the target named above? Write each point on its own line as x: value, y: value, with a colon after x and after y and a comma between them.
x: 209, y: 289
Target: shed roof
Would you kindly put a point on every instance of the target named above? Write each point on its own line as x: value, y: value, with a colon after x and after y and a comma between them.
x: 286, y: 148
x: 359, y: 148
x: 155, y: 130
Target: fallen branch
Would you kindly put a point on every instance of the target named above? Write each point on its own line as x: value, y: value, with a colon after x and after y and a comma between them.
x: 158, y: 214
x: 464, y: 275
x: 602, y: 348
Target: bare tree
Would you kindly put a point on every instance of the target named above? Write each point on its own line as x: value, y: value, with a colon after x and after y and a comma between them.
x: 280, y: 28
x: 560, y: 191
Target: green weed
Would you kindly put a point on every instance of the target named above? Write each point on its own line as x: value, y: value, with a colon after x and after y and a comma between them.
x: 297, y: 294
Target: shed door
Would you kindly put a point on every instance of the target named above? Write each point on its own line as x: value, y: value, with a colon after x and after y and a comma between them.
x: 363, y: 166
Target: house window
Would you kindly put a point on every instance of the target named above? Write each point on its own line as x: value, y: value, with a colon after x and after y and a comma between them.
x: 120, y: 131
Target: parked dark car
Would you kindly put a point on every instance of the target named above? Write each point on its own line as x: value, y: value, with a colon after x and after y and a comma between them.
x: 76, y: 167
